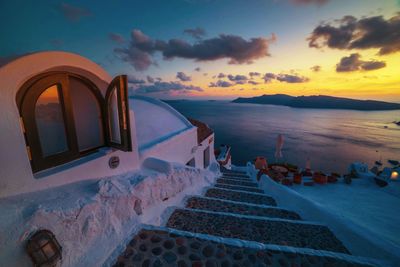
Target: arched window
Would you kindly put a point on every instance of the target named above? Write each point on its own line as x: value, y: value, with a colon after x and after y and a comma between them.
x: 65, y: 117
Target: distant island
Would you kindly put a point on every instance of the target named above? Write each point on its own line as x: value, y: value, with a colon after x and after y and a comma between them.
x: 319, y: 102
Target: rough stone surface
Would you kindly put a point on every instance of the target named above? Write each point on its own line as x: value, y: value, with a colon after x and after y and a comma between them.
x: 241, y: 188
x: 224, y: 206
x: 240, y: 196
x: 160, y: 248
x: 211, y: 254
x: 236, y: 182
x: 265, y: 231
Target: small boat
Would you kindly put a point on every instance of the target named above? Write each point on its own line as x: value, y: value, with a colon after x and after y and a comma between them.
x: 393, y: 162
x: 378, y: 162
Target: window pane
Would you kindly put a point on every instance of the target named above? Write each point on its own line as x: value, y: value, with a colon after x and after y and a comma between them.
x: 50, y: 122
x: 206, y: 157
x: 87, y: 115
x: 115, y: 134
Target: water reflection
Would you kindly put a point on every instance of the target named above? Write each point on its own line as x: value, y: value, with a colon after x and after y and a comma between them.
x: 330, y: 138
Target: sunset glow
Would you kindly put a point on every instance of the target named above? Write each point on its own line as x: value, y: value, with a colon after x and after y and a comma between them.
x: 285, y: 37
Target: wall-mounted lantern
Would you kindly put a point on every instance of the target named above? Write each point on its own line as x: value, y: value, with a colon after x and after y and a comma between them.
x: 394, y: 176
x: 44, y: 249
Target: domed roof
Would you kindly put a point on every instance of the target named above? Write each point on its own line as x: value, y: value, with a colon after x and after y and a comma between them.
x: 155, y: 121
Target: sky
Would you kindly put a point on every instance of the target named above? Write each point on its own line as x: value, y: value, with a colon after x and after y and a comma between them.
x: 221, y: 49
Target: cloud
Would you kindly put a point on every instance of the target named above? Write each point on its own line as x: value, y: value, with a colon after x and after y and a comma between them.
x: 133, y: 80
x: 150, y: 79
x: 288, y: 78
x: 268, y: 77
x: 309, y: 2
x: 158, y: 87
x: 221, y: 83
x: 316, y: 68
x: 183, y: 77
x: 237, y: 78
x: 253, y: 82
x: 139, y: 51
x: 366, y: 33
x: 196, y: 33
x: 73, y: 13
x: 116, y: 38
x: 354, y: 63
x: 254, y: 74
x: 237, y: 50
x: 198, y: 69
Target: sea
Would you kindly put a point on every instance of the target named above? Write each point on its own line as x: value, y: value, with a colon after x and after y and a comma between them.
x: 330, y: 139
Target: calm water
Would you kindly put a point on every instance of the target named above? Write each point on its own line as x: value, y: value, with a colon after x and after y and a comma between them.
x: 330, y: 138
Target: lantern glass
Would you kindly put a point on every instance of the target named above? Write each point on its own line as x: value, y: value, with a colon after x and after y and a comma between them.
x: 44, y: 249
x: 394, y: 175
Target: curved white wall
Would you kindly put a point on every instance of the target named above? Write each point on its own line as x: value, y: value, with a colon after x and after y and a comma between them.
x: 155, y: 121
x: 15, y: 171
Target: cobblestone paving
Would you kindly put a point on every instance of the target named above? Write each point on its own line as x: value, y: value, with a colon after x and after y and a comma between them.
x: 224, y: 206
x: 242, y: 188
x: 160, y: 248
x: 236, y: 182
x: 264, y: 231
x: 240, y: 196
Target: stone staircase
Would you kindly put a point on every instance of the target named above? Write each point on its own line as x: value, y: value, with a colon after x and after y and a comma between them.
x: 236, y: 224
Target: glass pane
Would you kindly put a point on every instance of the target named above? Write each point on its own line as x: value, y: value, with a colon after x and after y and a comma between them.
x: 87, y: 115
x: 50, y: 122
x: 206, y: 157
x: 115, y: 134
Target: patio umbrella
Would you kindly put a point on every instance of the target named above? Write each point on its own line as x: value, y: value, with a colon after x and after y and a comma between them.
x: 279, y: 145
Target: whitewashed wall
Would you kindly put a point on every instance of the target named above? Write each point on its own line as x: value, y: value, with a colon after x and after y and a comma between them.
x: 15, y: 171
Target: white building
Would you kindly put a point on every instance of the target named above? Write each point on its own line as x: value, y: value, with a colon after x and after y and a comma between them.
x: 82, y: 159
x: 64, y: 119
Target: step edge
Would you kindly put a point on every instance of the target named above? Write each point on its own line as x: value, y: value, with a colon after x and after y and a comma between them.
x: 262, y: 246
x: 238, y: 202
x: 252, y: 217
x: 244, y: 188
x: 258, y: 194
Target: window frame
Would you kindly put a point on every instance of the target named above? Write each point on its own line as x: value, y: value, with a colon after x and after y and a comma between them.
x: 206, y: 155
x: 27, y: 97
x: 120, y: 83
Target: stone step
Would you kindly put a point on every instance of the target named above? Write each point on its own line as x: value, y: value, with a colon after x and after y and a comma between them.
x: 237, y: 178
x: 236, y: 182
x: 267, y: 231
x: 236, y: 175
x: 233, y: 171
x: 240, y: 196
x: 218, y: 205
x: 160, y: 246
x: 240, y: 188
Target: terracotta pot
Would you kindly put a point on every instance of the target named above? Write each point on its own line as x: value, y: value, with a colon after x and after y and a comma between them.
x: 297, y: 178
x: 261, y: 163
x: 320, y: 179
